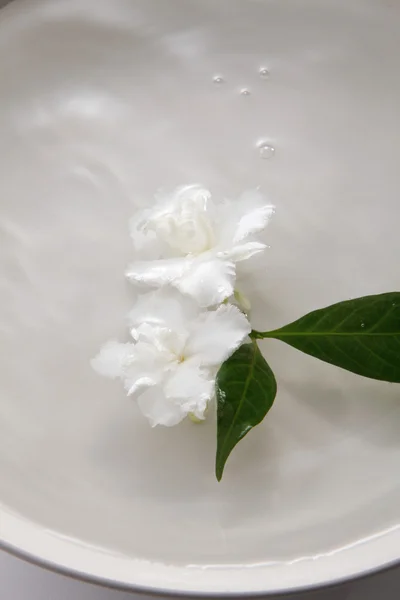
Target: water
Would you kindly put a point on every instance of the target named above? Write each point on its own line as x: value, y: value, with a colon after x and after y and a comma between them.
x: 127, y: 111
x: 266, y: 150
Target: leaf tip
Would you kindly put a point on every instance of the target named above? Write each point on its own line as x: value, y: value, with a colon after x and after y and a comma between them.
x: 219, y: 470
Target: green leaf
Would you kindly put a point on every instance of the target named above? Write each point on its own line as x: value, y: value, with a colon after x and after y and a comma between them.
x: 245, y: 389
x: 360, y: 335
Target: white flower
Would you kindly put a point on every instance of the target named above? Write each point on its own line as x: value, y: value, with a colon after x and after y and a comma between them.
x: 188, y: 241
x: 175, y: 354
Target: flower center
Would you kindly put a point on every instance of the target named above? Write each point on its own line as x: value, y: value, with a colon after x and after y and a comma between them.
x: 188, y: 234
x: 186, y: 225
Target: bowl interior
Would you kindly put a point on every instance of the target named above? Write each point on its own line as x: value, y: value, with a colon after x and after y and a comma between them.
x: 102, y: 103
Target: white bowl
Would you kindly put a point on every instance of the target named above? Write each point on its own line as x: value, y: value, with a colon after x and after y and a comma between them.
x: 103, y: 102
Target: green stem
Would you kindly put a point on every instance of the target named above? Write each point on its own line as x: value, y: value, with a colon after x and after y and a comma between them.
x: 260, y: 335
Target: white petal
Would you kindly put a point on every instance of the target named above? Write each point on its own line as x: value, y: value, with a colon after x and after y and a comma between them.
x: 165, y: 340
x: 238, y: 219
x: 146, y: 368
x: 243, y: 251
x: 216, y: 335
x: 137, y: 365
x: 169, y: 203
x: 158, y: 409
x: 157, y: 272
x: 112, y: 359
x: 210, y: 282
x: 190, y: 386
x: 165, y: 307
x: 183, y: 220
x: 253, y: 222
x: 195, y: 193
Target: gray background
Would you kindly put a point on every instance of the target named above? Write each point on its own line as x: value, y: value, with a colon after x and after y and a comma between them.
x: 20, y: 580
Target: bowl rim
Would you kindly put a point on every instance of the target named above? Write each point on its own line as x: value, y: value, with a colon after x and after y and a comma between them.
x: 68, y: 556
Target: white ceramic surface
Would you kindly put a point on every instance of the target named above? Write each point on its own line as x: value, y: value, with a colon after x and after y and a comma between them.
x: 101, y: 103
x: 23, y: 581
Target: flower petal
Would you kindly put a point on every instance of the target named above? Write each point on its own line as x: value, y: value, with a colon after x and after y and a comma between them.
x: 137, y: 365
x: 210, y: 281
x: 253, y: 222
x: 243, y: 251
x: 165, y: 307
x: 216, y: 335
x: 191, y: 387
x: 146, y: 368
x: 112, y: 359
x: 167, y: 204
x: 157, y: 272
x: 180, y: 221
x: 159, y: 409
x: 247, y: 215
x: 165, y: 340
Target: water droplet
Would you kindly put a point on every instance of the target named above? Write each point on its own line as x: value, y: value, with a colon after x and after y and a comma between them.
x: 218, y: 79
x: 264, y: 73
x: 266, y: 151
x: 394, y: 304
x: 245, y: 92
x: 362, y: 324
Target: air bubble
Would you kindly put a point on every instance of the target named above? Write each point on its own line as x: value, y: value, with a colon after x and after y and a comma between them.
x: 266, y: 150
x: 218, y: 79
x: 362, y: 324
x: 245, y: 92
x: 264, y: 73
